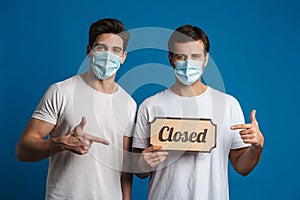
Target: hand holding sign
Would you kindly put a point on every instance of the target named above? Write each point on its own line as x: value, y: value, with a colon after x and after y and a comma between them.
x: 183, y: 134
x: 78, y: 141
x: 251, y: 133
x: 152, y: 157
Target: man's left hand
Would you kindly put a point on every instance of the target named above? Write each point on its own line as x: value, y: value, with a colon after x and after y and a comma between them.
x: 251, y: 133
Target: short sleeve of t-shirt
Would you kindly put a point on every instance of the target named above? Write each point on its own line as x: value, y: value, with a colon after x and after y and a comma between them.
x: 142, y: 129
x: 237, y: 117
x: 49, y: 106
x: 129, y: 130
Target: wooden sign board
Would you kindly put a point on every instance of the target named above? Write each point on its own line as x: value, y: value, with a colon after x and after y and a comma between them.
x: 183, y: 134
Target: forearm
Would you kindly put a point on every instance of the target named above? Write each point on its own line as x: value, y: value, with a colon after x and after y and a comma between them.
x: 32, y: 149
x: 126, y: 183
x: 247, y: 160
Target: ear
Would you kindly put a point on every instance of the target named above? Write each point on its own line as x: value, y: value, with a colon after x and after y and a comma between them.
x: 88, y: 51
x: 123, y: 58
x: 206, y: 60
x: 171, y: 61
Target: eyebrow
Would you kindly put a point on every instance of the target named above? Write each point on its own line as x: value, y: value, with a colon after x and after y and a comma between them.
x: 100, y: 44
x: 118, y: 48
x: 186, y: 55
x: 115, y: 47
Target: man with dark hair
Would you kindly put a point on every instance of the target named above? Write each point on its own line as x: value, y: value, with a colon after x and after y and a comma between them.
x: 191, y: 174
x: 80, y: 113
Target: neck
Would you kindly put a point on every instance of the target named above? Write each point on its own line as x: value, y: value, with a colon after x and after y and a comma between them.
x: 107, y: 86
x: 195, y: 89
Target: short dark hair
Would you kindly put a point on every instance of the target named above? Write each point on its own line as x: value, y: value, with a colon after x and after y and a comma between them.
x: 108, y: 25
x: 187, y: 33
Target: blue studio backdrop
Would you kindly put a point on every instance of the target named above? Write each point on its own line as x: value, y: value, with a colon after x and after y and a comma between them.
x: 254, y: 44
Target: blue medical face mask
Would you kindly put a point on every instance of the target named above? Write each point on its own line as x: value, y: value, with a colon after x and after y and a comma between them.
x: 105, y: 64
x: 188, y: 71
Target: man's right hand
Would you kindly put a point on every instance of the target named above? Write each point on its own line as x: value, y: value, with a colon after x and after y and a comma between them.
x: 77, y: 141
x: 152, y: 157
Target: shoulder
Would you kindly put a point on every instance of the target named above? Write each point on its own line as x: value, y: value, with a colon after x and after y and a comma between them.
x: 64, y: 87
x: 65, y: 84
x: 221, y: 96
x: 59, y: 89
x: 158, y: 98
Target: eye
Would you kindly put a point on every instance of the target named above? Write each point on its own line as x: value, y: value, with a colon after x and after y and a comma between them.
x: 100, y: 47
x: 180, y: 57
x: 118, y: 50
x: 196, y: 56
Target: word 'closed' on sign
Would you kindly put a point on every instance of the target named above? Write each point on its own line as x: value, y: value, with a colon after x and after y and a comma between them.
x: 183, y: 134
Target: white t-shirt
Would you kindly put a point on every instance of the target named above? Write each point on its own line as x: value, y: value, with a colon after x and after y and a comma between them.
x: 192, y: 175
x: 95, y: 175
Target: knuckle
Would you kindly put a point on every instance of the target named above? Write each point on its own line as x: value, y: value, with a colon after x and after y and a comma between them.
x: 162, y: 158
x: 77, y: 129
x: 145, y: 155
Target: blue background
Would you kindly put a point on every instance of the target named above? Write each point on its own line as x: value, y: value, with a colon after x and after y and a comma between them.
x: 254, y: 44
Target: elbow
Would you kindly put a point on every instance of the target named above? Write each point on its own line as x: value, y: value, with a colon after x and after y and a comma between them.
x: 244, y: 174
x: 243, y: 171
x: 23, y: 158
x: 20, y: 151
x: 19, y: 154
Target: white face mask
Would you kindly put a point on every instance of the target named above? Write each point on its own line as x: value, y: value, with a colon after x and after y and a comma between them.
x: 105, y: 64
x: 188, y: 71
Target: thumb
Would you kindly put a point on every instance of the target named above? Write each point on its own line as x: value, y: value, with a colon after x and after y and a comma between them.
x: 152, y: 148
x: 82, y: 123
x: 252, y: 117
